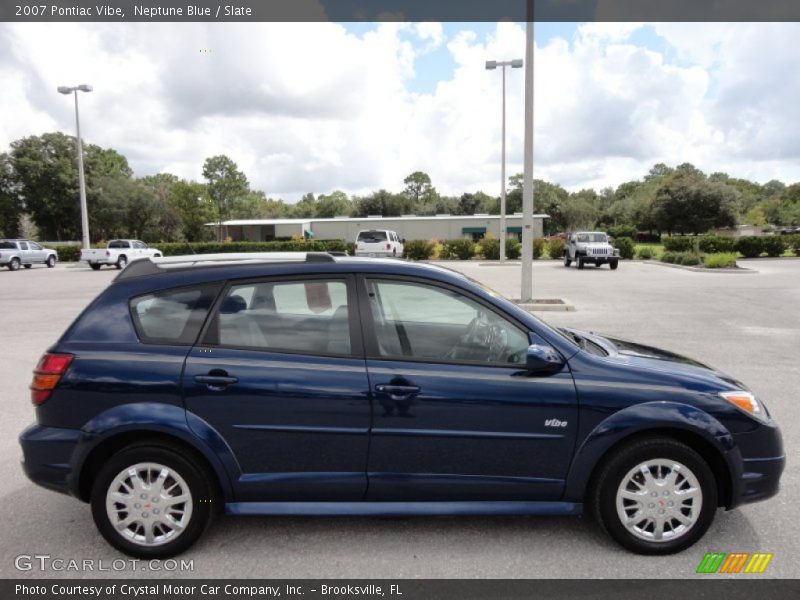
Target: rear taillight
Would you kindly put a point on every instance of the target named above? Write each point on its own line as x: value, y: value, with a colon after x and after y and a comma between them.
x: 388, y: 246
x: 108, y: 252
x: 47, y: 374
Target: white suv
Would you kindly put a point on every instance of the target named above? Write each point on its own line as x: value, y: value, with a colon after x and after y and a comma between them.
x: 379, y: 242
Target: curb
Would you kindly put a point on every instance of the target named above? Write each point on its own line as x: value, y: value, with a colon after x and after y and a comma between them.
x: 546, y: 305
x: 737, y: 271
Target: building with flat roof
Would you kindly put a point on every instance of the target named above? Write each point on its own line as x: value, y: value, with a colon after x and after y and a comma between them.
x: 409, y: 227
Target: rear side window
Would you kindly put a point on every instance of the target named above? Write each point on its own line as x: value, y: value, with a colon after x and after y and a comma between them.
x: 172, y: 316
x: 8, y: 246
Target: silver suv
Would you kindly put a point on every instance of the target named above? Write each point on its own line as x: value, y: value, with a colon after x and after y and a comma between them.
x: 590, y: 247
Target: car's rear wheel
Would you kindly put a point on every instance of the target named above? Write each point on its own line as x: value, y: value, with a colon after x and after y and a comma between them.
x: 95, y: 267
x: 122, y: 262
x: 655, y: 496
x: 51, y: 261
x: 152, y: 501
x: 14, y: 264
x: 567, y: 261
x: 27, y: 266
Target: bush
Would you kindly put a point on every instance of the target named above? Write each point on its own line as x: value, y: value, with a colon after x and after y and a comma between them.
x: 621, y: 231
x: 625, y: 247
x: 773, y: 245
x: 750, y: 246
x: 68, y: 253
x: 670, y: 257
x: 418, y: 250
x: 513, y: 249
x: 538, y: 248
x: 678, y: 244
x: 793, y: 242
x: 720, y: 260
x: 490, y: 248
x: 689, y: 259
x: 461, y: 249
x: 645, y: 253
x: 555, y: 247
x: 714, y: 244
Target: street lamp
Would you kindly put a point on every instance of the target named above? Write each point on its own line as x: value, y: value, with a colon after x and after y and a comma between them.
x: 63, y: 89
x: 491, y: 65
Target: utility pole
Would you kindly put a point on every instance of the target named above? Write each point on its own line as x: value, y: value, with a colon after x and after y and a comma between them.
x: 526, y: 288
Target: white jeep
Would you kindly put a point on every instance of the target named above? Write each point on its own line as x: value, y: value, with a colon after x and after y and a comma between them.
x: 590, y: 247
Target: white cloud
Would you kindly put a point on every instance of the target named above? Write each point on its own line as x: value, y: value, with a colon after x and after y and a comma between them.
x: 312, y: 107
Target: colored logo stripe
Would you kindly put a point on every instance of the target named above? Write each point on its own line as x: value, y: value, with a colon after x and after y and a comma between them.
x: 720, y: 562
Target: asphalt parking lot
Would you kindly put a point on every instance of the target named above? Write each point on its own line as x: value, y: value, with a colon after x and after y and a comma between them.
x: 746, y: 325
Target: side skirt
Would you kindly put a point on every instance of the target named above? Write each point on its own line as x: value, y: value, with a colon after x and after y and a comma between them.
x: 395, y: 509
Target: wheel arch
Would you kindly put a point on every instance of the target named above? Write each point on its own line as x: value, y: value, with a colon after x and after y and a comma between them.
x: 710, y: 440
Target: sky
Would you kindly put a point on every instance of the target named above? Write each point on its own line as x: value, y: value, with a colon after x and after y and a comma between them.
x: 314, y: 107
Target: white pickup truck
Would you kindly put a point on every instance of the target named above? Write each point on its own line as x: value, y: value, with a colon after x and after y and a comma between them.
x: 118, y: 253
x: 379, y: 242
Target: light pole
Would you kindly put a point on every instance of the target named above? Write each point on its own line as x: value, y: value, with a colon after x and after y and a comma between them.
x: 491, y: 65
x: 526, y: 291
x: 63, y: 89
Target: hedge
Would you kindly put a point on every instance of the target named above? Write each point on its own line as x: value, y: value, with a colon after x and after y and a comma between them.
x: 538, y: 247
x: 750, y: 246
x: 626, y: 247
x: 678, y: 243
x: 715, y: 244
x: 645, y: 253
x: 418, y: 249
x: 461, y: 249
x: 773, y: 245
x: 555, y: 247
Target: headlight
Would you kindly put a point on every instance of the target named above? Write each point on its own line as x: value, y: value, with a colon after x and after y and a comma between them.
x: 746, y: 402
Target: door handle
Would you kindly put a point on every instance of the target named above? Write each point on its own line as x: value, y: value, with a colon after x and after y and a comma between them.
x: 397, y: 392
x: 216, y: 380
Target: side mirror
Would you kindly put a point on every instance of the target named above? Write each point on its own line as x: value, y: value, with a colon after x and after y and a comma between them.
x: 403, y: 241
x: 543, y: 360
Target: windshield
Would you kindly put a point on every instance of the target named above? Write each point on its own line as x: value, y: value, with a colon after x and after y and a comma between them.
x: 596, y: 238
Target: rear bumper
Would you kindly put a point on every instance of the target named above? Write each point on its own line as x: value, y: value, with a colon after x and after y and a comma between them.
x: 381, y: 254
x: 47, y: 454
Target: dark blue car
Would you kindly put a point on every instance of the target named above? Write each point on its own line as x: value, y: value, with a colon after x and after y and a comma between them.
x: 320, y: 385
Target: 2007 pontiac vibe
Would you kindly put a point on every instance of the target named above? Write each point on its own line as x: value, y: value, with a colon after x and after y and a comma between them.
x: 308, y: 384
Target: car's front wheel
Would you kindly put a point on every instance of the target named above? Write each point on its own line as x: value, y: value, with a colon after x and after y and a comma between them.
x: 613, y: 264
x: 655, y: 496
x: 152, y: 501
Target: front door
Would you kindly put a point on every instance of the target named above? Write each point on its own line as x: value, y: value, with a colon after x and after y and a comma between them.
x: 281, y: 376
x: 456, y: 415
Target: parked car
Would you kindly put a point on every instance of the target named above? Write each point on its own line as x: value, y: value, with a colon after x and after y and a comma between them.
x: 590, y: 247
x: 321, y: 385
x: 118, y: 254
x: 379, y: 242
x: 25, y: 253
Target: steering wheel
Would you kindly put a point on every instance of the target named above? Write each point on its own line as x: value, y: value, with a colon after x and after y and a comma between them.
x: 482, y: 340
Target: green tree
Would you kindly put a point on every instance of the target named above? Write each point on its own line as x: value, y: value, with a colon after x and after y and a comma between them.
x: 755, y: 216
x: 227, y: 185
x: 306, y: 207
x: 687, y: 203
x: 194, y: 207
x: 580, y: 210
x: 10, y: 203
x: 333, y: 205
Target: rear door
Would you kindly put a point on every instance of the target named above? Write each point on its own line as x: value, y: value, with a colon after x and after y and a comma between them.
x: 456, y: 415
x: 280, y: 374
x: 37, y: 253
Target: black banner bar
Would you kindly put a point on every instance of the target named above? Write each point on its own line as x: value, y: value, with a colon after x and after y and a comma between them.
x: 397, y: 10
x: 428, y: 589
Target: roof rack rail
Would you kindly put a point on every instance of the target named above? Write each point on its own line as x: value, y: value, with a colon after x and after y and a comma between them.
x: 152, y: 266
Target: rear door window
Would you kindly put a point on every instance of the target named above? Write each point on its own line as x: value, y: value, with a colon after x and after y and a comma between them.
x: 172, y: 316
x: 309, y: 317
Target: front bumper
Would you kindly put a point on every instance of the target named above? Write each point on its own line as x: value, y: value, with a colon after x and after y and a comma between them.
x: 47, y: 454
x: 763, y: 461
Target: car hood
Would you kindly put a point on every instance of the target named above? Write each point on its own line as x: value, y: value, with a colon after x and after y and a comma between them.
x: 649, y: 357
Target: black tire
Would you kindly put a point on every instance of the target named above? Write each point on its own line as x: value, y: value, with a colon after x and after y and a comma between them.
x: 598, y: 264
x: 122, y: 262
x: 580, y: 262
x: 203, y: 490
x: 156, y: 255
x: 51, y: 261
x: 613, y: 264
x: 27, y: 266
x: 567, y: 260
x: 95, y: 267
x: 612, y: 471
x: 14, y: 264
